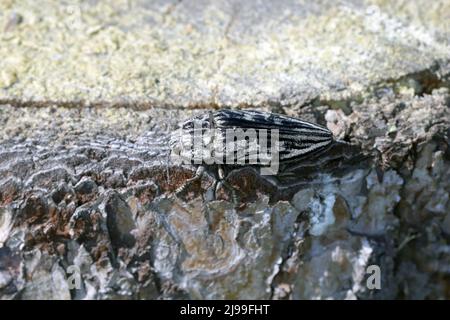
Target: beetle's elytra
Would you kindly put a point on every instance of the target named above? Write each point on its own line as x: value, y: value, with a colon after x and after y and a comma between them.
x: 296, y: 139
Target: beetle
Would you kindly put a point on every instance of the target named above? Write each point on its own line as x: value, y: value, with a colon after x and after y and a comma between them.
x: 232, y: 138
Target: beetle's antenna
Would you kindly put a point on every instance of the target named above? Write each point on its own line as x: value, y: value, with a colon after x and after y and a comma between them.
x: 168, y: 161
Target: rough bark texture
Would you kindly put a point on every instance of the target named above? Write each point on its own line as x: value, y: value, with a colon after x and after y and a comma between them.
x: 92, y: 186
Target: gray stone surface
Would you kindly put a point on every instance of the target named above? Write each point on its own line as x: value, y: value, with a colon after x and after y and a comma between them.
x: 203, y: 53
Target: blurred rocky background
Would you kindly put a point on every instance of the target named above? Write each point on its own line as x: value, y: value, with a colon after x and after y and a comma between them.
x: 90, y: 91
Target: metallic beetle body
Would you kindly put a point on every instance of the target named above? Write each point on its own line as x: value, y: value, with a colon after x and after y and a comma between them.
x: 298, y: 139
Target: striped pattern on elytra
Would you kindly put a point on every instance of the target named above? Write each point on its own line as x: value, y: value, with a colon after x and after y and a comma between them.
x: 297, y: 138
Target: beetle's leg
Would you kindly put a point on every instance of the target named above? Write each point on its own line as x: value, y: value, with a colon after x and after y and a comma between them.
x: 198, y: 175
x: 219, y: 182
x: 223, y: 182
